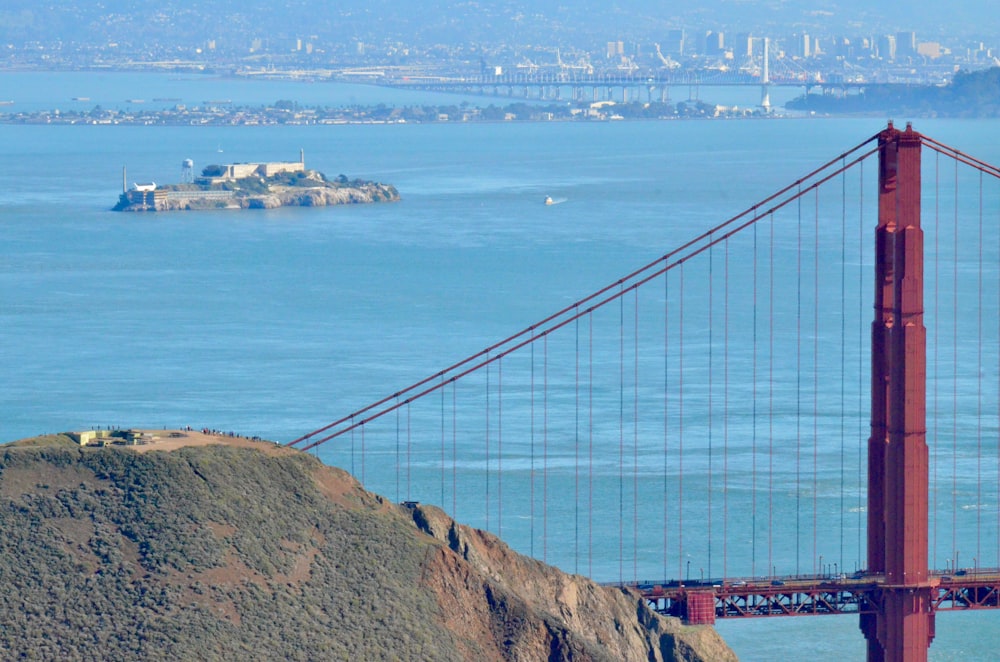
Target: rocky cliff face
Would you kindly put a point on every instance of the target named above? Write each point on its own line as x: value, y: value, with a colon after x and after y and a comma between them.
x: 322, y: 197
x: 260, y: 552
x: 511, y: 607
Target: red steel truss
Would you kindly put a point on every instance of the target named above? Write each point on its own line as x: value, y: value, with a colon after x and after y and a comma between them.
x: 862, y: 594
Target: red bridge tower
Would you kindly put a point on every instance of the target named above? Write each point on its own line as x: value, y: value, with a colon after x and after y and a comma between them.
x: 902, y: 625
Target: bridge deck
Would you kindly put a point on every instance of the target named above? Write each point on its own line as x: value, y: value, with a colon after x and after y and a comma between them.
x: 800, y: 595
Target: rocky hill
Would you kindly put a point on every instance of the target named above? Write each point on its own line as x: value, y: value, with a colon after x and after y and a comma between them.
x: 255, y: 551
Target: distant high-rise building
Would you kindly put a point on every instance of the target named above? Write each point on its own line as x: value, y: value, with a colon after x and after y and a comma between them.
x: 615, y: 49
x: 906, y: 44
x: 743, y: 46
x: 674, y: 43
x: 801, y: 46
x: 715, y: 43
x: 887, y: 47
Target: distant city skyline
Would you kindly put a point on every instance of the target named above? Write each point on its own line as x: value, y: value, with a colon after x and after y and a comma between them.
x: 830, y: 40
x: 581, y: 23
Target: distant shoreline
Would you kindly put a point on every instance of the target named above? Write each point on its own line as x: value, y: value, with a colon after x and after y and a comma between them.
x: 292, y: 114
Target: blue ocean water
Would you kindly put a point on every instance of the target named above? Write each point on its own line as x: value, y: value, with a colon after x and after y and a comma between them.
x: 274, y: 323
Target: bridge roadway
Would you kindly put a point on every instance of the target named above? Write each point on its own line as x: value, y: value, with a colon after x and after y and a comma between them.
x: 624, y: 88
x: 519, y: 80
x: 700, y: 602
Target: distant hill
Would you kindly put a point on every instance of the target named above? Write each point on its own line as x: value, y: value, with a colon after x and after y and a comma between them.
x: 970, y: 94
x: 260, y: 552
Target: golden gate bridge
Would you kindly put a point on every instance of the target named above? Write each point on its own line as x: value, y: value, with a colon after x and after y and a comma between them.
x: 736, y: 404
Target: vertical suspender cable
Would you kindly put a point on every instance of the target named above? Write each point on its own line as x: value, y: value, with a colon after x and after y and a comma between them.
x: 666, y: 413
x: 621, y: 438
x: 954, y: 397
x: 576, y: 444
x: 711, y: 342
x: 934, y: 456
x: 979, y: 385
x: 487, y: 484
x: 398, y: 461
x: 770, y: 402
x: 798, y: 385
x: 531, y: 487
x: 725, y: 412
x: 442, y: 444
x: 635, y: 446
x: 408, y: 445
x: 753, y: 436
x: 680, y: 427
x: 454, y: 449
x: 860, y: 371
x: 590, y: 444
x: 545, y: 447
x: 843, y: 355
x: 500, y: 447
x: 352, y: 448
x: 816, y: 376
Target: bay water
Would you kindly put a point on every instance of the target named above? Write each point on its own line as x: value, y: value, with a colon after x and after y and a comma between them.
x: 272, y: 323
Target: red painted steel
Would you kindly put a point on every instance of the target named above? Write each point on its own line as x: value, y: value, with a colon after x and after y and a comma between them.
x: 814, y: 595
x: 902, y: 627
x: 700, y: 607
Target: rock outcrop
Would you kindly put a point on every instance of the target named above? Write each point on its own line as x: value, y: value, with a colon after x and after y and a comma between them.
x: 517, y: 608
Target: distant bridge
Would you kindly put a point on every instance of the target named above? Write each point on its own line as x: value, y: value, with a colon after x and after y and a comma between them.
x: 609, y: 85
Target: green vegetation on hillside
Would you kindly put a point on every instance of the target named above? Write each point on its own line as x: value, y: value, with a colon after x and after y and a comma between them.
x: 211, y: 553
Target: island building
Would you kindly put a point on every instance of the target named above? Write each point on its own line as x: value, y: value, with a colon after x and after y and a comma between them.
x: 149, y: 195
x: 233, y: 171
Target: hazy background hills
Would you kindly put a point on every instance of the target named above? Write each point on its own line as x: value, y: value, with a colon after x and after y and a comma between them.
x: 552, y: 22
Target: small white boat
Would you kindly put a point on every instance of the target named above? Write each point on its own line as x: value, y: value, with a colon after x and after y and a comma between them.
x: 549, y: 200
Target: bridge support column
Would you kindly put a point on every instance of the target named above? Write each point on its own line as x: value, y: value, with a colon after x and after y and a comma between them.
x: 902, y: 625
x: 699, y: 607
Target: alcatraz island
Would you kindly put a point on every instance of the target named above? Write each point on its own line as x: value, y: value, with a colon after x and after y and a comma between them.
x: 263, y: 185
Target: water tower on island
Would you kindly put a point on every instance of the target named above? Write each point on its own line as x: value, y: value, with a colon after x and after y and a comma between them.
x: 187, y: 171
